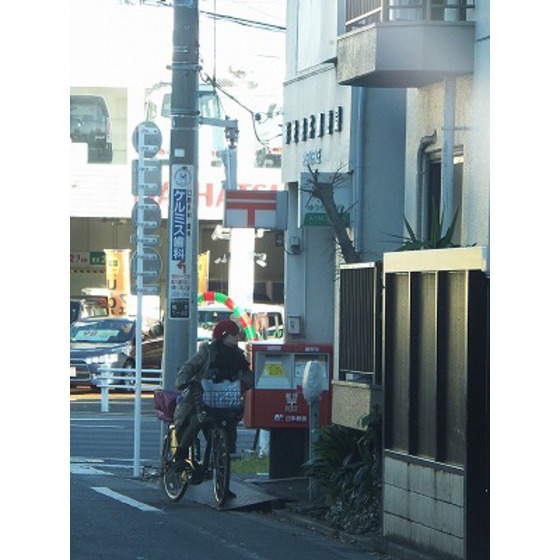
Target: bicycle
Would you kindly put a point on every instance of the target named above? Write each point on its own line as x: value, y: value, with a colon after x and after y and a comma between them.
x: 215, y: 464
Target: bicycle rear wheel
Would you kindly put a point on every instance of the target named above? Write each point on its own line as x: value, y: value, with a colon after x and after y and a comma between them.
x: 175, y: 483
x: 220, y: 465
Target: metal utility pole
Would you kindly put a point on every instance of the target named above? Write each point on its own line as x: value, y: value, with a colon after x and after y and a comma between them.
x: 180, y: 334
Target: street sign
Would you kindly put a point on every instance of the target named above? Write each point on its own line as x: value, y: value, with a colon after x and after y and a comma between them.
x: 147, y: 175
x: 179, y: 309
x: 148, y: 240
x: 152, y: 214
x: 147, y: 290
x: 146, y: 138
x: 151, y: 263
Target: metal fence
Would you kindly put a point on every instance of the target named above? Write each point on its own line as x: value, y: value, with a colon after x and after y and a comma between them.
x: 365, y: 12
x: 149, y: 383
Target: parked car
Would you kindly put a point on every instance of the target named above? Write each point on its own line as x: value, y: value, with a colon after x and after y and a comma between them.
x: 82, y: 307
x: 267, y: 319
x: 99, y: 341
x: 90, y: 123
x: 208, y: 315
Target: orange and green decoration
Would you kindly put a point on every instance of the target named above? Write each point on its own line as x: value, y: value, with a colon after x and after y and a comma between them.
x: 241, y: 316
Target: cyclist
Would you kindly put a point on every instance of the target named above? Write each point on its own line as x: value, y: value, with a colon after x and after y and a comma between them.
x: 226, y: 361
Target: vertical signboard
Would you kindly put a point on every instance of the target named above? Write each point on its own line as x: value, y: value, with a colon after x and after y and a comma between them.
x: 203, y: 266
x: 118, y: 280
x: 181, y: 215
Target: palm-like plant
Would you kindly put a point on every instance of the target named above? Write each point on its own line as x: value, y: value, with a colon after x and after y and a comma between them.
x: 347, y: 468
x: 438, y: 239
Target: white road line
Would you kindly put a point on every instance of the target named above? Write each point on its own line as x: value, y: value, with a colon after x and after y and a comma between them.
x: 124, y: 499
x: 97, y: 427
x: 86, y: 469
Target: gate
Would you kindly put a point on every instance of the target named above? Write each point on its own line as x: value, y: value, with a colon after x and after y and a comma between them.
x: 436, y: 400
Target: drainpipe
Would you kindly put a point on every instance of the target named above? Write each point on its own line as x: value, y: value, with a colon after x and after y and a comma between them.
x: 421, y: 201
x: 446, y: 205
x: 358, y: 123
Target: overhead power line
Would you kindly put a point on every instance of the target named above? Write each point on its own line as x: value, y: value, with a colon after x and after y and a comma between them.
x: 243, y: 21
x: 213, y: 15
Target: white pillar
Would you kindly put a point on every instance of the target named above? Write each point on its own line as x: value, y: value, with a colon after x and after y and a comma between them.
x: 447, y: 207
x: 241, y: 276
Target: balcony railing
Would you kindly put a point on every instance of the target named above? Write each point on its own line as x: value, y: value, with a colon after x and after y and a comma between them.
x: 365, y: 12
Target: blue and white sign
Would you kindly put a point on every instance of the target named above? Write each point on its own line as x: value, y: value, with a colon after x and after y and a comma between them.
x: 181, y: 233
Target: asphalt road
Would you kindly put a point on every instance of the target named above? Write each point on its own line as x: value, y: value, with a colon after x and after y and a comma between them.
x: 108, y: 437
x: 114, y: 516
x: 124, y: 519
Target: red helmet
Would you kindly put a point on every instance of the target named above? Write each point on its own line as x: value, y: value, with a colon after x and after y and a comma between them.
x: 225, y: 327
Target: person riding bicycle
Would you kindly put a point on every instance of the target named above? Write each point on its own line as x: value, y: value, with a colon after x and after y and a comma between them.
x: 227, y: 361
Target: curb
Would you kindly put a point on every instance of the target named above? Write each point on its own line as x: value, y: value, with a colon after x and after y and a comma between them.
x: 371, y: 543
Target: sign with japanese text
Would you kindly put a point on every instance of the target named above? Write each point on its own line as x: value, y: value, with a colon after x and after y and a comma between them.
x: 118, y: 280
x: 310, y: 208
x: 87, y: 258
x: 181, y: 216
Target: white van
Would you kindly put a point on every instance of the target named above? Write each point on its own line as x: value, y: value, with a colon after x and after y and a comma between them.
x: 267, y: 319
x: 211, y: 139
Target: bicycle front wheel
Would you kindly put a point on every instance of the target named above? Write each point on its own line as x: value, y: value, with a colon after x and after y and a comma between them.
x: 175, y: 483
x: 220, y: 465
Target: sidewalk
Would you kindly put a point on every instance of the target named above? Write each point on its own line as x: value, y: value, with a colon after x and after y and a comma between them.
x: 295, y: 506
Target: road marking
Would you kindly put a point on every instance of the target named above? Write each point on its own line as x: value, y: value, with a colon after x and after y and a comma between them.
x: 91, y: 419
x: 124, y: 499
x: 99, y: 426
x: 86, y: 469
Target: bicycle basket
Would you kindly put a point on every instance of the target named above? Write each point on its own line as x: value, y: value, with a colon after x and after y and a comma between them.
x: 224, y: 395
x: 165, y: 402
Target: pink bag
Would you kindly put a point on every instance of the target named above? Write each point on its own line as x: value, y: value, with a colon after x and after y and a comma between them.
x: 165, y: 402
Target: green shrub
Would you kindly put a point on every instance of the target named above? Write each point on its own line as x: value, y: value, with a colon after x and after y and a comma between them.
x: 347, y: 468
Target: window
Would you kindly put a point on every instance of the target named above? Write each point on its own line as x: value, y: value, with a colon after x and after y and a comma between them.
x: 432, y: 202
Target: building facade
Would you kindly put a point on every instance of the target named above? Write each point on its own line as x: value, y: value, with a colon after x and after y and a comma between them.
x: 396, y: 95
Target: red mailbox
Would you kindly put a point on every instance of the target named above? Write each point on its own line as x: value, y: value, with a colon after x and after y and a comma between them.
x: 277, y: 400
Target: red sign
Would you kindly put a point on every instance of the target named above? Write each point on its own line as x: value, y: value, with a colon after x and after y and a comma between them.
x: 274, y: 408
x: 250, y: 209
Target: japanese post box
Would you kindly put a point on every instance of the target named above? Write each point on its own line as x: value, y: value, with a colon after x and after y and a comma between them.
x: 277, y: 400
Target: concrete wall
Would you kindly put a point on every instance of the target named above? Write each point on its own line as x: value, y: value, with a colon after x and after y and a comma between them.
x: 311, y: 93
x: 425, y: 506
x: 382, y: 200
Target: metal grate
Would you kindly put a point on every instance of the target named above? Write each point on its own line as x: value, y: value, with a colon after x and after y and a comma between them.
x: 360, y: 322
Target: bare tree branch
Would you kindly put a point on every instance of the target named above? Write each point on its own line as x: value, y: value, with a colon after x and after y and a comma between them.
x: 324, y: 191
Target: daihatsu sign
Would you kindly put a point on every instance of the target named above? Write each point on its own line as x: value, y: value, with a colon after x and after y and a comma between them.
x: 111, y: 191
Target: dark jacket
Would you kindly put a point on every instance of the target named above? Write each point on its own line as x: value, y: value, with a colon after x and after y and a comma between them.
x: 194, y: 370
